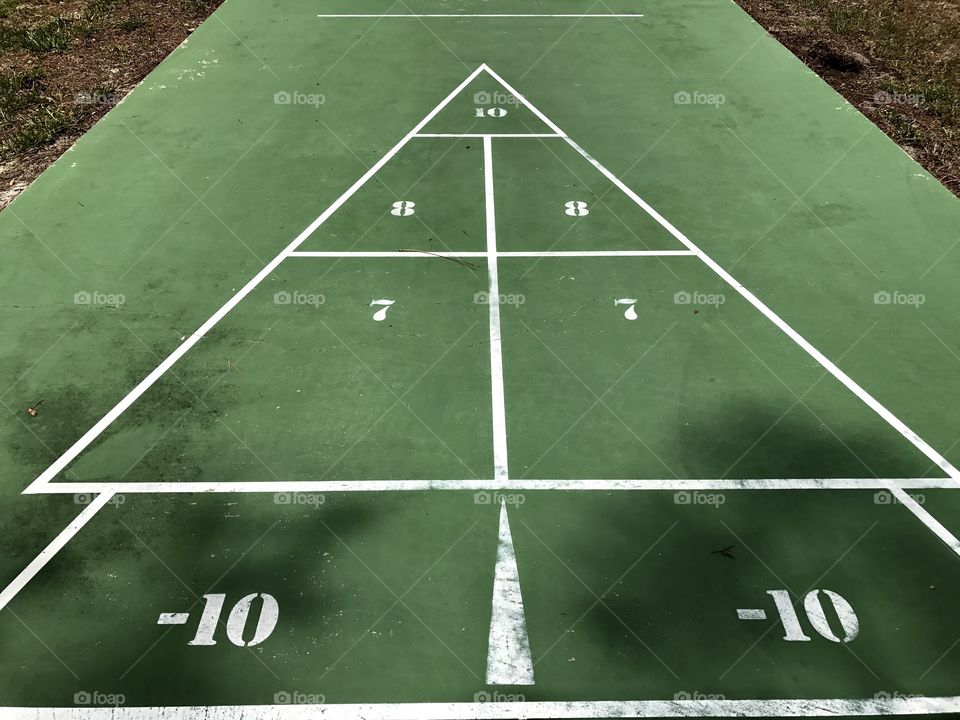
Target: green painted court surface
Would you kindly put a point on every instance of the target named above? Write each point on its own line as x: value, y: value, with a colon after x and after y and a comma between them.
x: 437, y: 360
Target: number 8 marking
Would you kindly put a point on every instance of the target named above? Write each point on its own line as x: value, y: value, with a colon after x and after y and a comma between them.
x: 403, y: 208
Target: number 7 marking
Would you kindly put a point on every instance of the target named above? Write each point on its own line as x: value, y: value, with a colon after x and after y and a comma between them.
x: 381, y: 314
x: 631, y: 313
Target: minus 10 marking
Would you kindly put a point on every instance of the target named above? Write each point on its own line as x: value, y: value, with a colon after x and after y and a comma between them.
x: 815, y: 615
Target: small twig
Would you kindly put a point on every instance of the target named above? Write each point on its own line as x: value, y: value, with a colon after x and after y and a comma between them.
x: 458, y: 261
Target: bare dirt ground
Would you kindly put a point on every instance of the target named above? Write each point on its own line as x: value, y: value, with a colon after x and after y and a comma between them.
x: 65, y: 63
x: 897, y: 61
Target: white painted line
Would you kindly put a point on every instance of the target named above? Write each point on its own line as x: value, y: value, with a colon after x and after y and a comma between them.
x: 488, y: 15
x: 896, y: 489
x: 653, y: 484
x: 173, y: 618
x: 55, y: 546
x: 500, y: 465
x: 751, y: 614
x: 382, y: 254
x: 598, y: 253
x: 827, y: 364
x: 540, y: 710
x: 513, y: 91
x: 510, y: 253
x: 508, y: 651
x: 481, y: 135
x: 94, y: 432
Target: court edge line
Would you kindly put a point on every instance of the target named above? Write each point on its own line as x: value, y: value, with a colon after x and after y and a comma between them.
x: 50, y: 551
x: 822, y: 359
x: 481, y: 135
x: 493, y: 485
x: 67, y: 457
x: 488, y: 15
x: 498, y: 403
x: 508, y: 253
x: 496, y: 710
x: 797, y: 338
x: 934, y: 525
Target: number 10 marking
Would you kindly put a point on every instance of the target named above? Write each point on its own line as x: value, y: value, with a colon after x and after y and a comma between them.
x: 237, y: 620
x: 813, y: 607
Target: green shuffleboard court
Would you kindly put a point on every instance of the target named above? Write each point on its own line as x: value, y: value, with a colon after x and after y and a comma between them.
x: 480, y: 360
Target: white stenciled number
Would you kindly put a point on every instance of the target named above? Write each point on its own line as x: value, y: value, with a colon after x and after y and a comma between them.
x: 237, y: 620
x: 381, y: 314
x: 631, y: 303
x: 576, y: 208
x: 813, y: 607
x: 494, y: 112
x: 403, y: 208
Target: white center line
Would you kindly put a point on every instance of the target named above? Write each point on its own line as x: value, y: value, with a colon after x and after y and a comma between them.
x: 500, y: 467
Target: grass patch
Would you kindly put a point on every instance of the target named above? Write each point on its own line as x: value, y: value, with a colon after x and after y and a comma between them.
x: 97, y: 9
x: 847, y: 20
x: 18, y: 91
x: 196, y: 7
x: 39, y: 130
x: 132, y: 24
x: 51, y: 36
x: 7, y: 7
